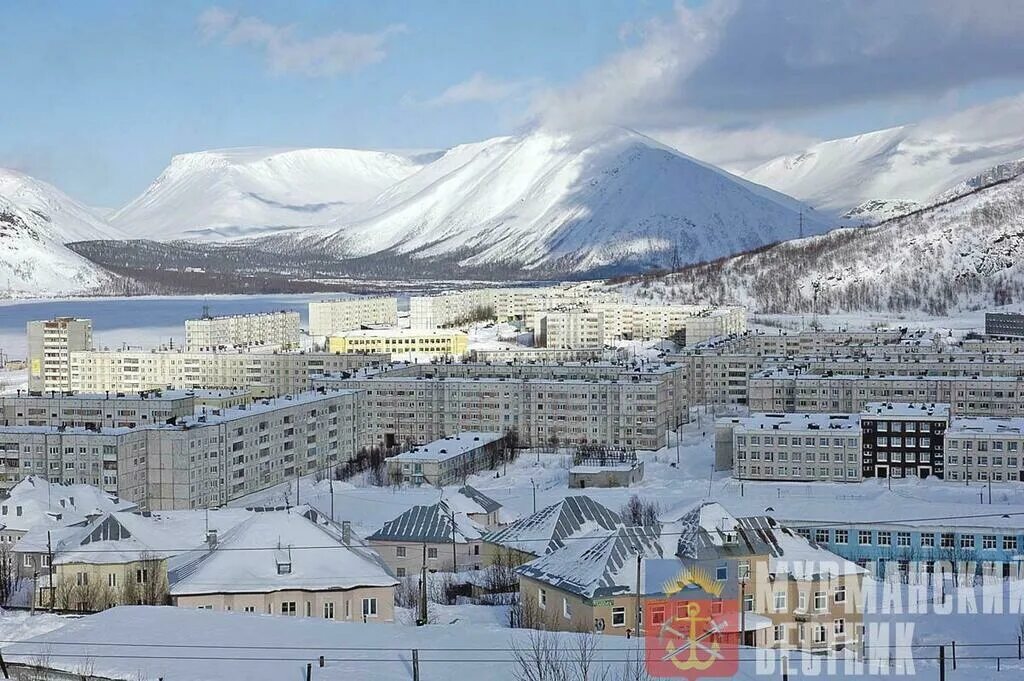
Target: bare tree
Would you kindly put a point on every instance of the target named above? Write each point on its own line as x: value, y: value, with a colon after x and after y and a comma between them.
x: 639, y: 512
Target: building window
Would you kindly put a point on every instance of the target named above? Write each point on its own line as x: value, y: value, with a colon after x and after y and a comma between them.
x: 842, y: 536
x: 249, y: 608
x: 780, y: 632
x: 928, y: 540
x: 819, y: 633
x: 864, y: 537
x: 329, y: 610
x: 1009, y: 543
x: 542, y: 598
x: 432, y: 553
x: 112, y: 579
x: 902, y: 539
x: 967, y: 541
x: 566, y: 610
x: 618, y: 617
x: 400, y: 551
x: 988, y: 541
x: 400, y: 572
x: 801, y: 601
x: 142, y: 575
x: 820, y: 600
x: 839, y: 627
x: 721, y: 573
x: 946, y: 541
x: 885, y: 539
x: 780, y: 601
x: 748, y: 603
x: 369, y: 607
x: 288, y: 608
x: 840, y: 595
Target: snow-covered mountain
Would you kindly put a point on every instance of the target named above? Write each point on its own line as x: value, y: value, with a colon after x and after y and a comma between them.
x: 36, y: 220
x: 605, y: 197
x: 910, y: 164
x: 229, y: 193
x: 966, y: 253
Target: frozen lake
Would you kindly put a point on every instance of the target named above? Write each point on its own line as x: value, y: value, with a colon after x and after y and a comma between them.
x: 145, y: 321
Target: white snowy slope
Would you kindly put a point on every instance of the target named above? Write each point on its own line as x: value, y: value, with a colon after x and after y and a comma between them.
x: 229, y: 193
x: 910, y: 163
x: 36, y: 220
x: 579, y: 201
x: 964, y: 254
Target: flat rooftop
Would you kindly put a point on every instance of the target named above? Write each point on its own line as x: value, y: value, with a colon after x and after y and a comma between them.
x: 796, y: 422
x: 909, y: 409
x: 449, y: 447
x: 988, y: 425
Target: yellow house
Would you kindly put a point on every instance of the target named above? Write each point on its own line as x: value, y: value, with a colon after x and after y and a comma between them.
x: 428, y: 343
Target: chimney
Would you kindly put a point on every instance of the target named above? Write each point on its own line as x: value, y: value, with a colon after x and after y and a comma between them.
x: 346, y: 532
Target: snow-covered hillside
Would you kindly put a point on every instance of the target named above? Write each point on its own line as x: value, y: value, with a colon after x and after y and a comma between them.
x: 230, y: 193
x: 36, y: 220
x: 914, y: 163
x: 963, y: 254
x: 601, y: 198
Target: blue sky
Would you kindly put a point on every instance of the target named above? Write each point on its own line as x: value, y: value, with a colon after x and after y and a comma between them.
x: 100, y: 94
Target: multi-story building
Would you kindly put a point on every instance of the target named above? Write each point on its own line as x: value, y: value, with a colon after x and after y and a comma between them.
x: 570, y: 329
x: 1004, y: 325
x: 328, y: 317
x: 93, y: 411
x: 503, y: 304
x: 787, y: 390
x: 50, y: 345
x: 986, y: 449
x: 904, y: 440
x: 446, y: 461
x: 795, y: 447
x: 266, y: 374
x: 430, y: 343
x: 621, y: 405
x: 277, y: 329
x: 539, y: 355
x: 195, y: 461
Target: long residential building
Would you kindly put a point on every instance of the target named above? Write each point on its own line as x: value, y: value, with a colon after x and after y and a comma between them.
x: 328, y: 317
x: 503, y: 304
x: 785, y: 390
x: 195, y: 461
x: 50, y: 345
x: 112, y: 410
x: 793, y: 447
x: 266, y: 374
x: 430, y: 343
x: 277, y: 329
x: 622, y: 405
x: 985, y: 449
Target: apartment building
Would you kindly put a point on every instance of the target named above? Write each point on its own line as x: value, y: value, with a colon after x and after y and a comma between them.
x: 786, y: 390
x: 790, y: 447
x: 621, y: 405
x: 50, y: 345
x: 93, y: 411
x: 503, y: 304
x: 985, y: 449
x: 265, y: 374
x: 1004, y: 325
x: 570, y: 329
x: 328, y: 317
x: 904, y: 440
x: 446, y: 461
x: 539, y: 355
x: 196, y: 461
x: 276, y: 329
x: 428, y: 343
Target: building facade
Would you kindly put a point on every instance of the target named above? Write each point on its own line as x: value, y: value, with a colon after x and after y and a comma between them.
x: 1004, y: 325
x: 903, y: 440
x: 278, y: 329
x: 50, y: 346
x: 429, y: 343
x: 985, y: 449
x: 446, y: 461
x: 266, y: 374
x: 328, y: 317
x: 620, y: 405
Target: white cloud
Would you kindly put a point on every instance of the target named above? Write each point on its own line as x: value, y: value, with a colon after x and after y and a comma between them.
x: 287, y: 52
x: 736, y: 150
x: 479, y: 88
x: 740, y: 62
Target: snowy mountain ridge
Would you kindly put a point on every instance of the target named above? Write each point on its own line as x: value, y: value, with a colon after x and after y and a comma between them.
x: 575, y: 202
x: 231, y: 193
x: 914, y: 163
x: 965, y: 253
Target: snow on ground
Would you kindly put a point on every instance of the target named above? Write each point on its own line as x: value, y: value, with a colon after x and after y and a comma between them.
x: 18, y: 625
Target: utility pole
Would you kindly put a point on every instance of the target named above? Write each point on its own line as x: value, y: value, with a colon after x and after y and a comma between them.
x: 422, y: 619
x: 331, y: 483
x: 49, y: 558
x: 639, y: 558
x: 743, y: 611
x: 455, y: 561
x: 678, y: 438
x: 534, y: 485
